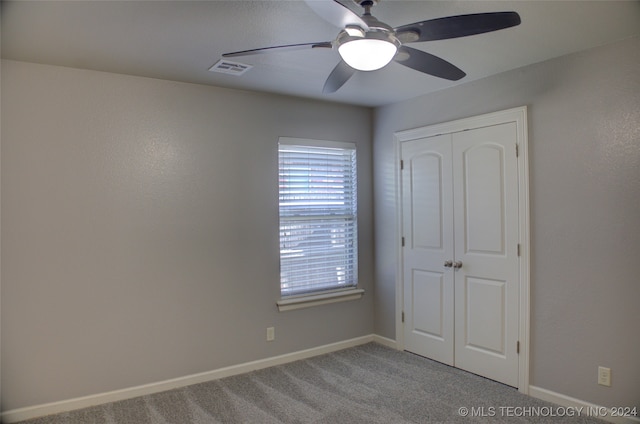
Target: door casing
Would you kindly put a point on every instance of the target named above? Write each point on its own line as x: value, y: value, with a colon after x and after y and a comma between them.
x: 519, y: 117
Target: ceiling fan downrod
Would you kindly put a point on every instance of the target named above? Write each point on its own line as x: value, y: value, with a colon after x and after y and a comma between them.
x: 367, y: 5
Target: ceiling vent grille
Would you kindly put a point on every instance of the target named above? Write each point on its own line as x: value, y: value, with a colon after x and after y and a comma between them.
x: 231, y: 68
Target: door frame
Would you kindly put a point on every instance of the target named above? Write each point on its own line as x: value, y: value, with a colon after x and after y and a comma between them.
x: 519, y: 117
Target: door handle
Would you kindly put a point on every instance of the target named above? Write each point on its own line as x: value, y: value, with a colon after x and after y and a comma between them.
x: 457, y: 265
x: 448, y: 264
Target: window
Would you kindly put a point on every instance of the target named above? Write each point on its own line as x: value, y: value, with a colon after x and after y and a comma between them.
x: 318, y: 216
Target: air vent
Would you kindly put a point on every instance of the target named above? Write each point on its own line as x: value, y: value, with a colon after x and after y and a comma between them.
x: 228, y: 67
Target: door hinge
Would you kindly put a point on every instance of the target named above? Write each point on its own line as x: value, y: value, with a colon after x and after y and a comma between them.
x: 402, y: 316
x: 402, y: 241
x: 518, y: 347
x: 401, y: 164
x: 517, y: 151
x: 518, y: 249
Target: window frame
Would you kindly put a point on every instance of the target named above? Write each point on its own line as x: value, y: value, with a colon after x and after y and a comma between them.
x: 322, y: 295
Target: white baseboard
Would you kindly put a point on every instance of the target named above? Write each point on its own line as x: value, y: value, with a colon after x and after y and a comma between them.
x: 29, y: 412
x: 385, y: 341
x: 590, y: 409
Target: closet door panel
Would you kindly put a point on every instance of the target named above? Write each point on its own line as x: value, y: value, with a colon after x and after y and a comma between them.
x: 485, y: 190
x: 427, y: 201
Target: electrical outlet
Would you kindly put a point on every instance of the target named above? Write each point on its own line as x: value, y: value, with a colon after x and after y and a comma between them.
x: 271, y: 334
x: 604, y: 376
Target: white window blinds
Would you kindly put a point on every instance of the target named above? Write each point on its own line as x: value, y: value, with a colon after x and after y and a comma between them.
x: 318, y: 216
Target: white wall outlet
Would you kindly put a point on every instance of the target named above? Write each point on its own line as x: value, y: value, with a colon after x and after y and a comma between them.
x: 604, y: 376
x: 271, y: 334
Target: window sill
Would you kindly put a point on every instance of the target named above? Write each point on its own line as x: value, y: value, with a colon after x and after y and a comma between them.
x: 307, y: 301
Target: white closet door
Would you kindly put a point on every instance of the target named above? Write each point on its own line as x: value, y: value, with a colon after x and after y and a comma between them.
x: 485, y: 191
x: 428, y: 243
x: 460, y: 258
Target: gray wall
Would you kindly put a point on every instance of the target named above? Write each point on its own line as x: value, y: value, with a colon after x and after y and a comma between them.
x: 140, y: 230
x: 584, y: 146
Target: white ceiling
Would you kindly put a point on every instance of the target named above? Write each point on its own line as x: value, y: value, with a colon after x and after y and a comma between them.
x: 180, y: 40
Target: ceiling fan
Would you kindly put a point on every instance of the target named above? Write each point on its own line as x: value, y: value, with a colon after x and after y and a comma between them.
x: 366, y: 44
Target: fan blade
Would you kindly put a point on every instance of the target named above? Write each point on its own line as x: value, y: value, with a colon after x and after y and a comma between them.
x: 288, y: 47
x: 427, y: 63
x: 340, y: 74
x: 459, y: 26
x: 336, y: 14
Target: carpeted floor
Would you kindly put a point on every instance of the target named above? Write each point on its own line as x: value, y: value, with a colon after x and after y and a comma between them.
x: 365, y: 384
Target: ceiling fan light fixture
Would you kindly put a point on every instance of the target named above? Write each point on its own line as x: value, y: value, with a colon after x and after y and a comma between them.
x: 373, y: 51
x: 354, y: 31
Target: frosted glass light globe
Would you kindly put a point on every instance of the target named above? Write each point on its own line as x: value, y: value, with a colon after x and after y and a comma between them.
x: 367, y: 54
